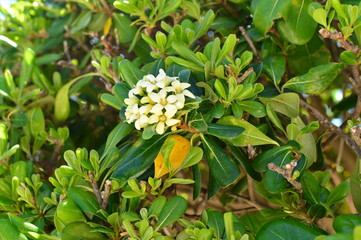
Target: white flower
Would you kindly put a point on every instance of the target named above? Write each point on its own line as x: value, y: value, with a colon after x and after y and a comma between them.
x: 180, y: 88
x: 134, y: 113
x: 163, y: 102
x: 162, y: 120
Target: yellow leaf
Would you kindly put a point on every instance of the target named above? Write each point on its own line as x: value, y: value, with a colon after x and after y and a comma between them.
x: 178, y: 154
x: 107, y: 26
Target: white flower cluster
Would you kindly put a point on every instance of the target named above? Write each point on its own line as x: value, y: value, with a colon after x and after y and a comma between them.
x: 156, y: 100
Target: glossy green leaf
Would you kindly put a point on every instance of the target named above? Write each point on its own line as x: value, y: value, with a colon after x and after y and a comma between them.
x: 316, y: 80
x: 197, y: 186
x: 86, y: 201
x: 311, y: 188
x: 346, y: 223
x: 272, y: 115
x: 139, y: 157
x: 268, y: 10
x: 130, y: 73
x: 62, y: 105
x: 81, y: 21
x: 216, y: 221
x: 254, y: 108
x: 298, y: 27
x: 126, y: 31
x: 194, y: 155
x: 285, y: 103
x: 80, y: 231
x: 282, y: 229
x: 274, y: 66
x: 272, y: 155
x: 9, y: 231
x: 157, y: 206
x: 223, y: 131
x: 348, y: 57
x: 172, y: 211
x: 307, y: 142
x: 36, y: 121
x: 223, y: 169
x: 116, y: 135
x: 338, y: 193
x: 251, y: 134
x: 186, y: 53
x: 355, y: 185
x: 111, y: 101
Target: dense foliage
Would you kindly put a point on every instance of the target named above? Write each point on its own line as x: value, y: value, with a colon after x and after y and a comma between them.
x: 180, y: 119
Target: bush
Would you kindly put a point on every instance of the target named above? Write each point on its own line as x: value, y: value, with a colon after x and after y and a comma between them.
x: 180, y: 119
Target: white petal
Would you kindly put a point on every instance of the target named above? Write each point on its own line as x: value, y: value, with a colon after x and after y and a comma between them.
x: 171, y: 108
x: 160, y: 84
x: 179, y: 104
x: 153, y: 119
x: 143, y: 120
x: 149, y: 78
x: 136, y: 124
x: 160, y: 128
x: 150, y: 88
x: 162, y: 94
x: 156, y: 108
x: 171, y: 99
x: 154, y: 97
x: 188, y: 94
x: 185, y: 85
x: 143, y: 109
x: 176, y: 84
x: 171, y: 122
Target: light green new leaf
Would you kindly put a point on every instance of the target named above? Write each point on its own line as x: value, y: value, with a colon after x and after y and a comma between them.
x: 316, y: 80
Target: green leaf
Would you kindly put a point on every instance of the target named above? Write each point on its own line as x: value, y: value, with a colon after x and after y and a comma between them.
x: 246, y: 163
x: 251, y: 135
x: 172, y: 211
x: 157, y: 206
x: 348, y: 57
x: 197, y: 186
x: 338, y: 193
x: 126, y: 31
x: 273, y: 155
x: 356, y: 185
x: 67, y: 212
x: 139, y: 157
x: 80, y: 231
x: 274, y: 66
x: 320, y: 16
x: 194, y: 155
x: 48, y: 58
x: 346, y: 223
x: 36, y: 121
x: 223, y: 131
x: 282, y: 229
x: 130, y: 73
x: 186, y: 53
x: 268, y: 10
x: 116, y: 135
x: 302, y: 58
x: 311, y: 188
x: 26, y: 68
x: 316, y: 80
x: 220, y: 89
x: 216, y: 221
x: 111, y: 101
x: 307, y: 142
x: 203, y: 27
x: 285, y: 103
x: 81, y: 21
x: 223, y: 169
x: 299, y: 27
x: 9, y: 231
x: 62, y: 105
x: 254, y: 108
x: 86, y: 201
x: 273, y: 117
x: 23, y: 225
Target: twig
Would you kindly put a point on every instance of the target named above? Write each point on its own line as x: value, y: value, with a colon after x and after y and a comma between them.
x: 250, y: 202
x: 66, y: 50
x: 249, y: 41
x: 107, y: 191
x: 287, y: 173
x: 108, y: 47
x: 95, y: 187
x: 107, y: 9
x: 338, y: 36
x: 245, y: 75
x: 333, y: 128
x: 229, y: 8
